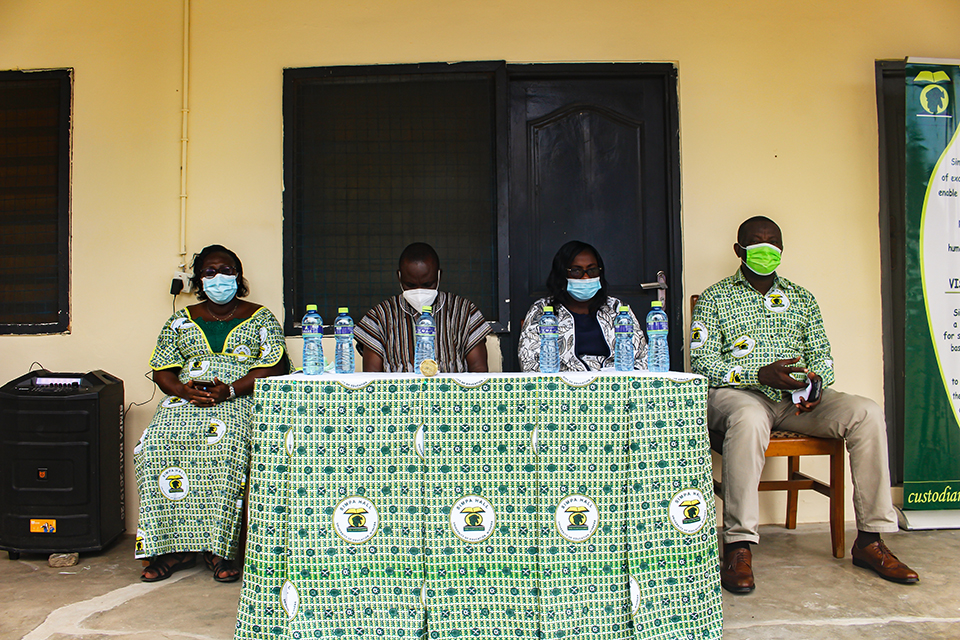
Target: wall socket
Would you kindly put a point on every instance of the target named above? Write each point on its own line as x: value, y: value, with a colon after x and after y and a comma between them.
x: 182, y: 280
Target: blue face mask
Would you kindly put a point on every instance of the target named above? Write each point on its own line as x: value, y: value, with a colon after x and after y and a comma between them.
x: 220, y: 288
x: 583, y: 289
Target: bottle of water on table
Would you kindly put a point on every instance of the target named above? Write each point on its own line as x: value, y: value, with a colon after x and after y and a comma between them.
x: 549, y: 348
x: 658, y: 353
x: 311, y: 328
x: 426, y: 332
x: 623, y: 339
x: 343, y: 331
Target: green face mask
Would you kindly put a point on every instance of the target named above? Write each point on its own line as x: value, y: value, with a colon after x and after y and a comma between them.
x: 763, y: 258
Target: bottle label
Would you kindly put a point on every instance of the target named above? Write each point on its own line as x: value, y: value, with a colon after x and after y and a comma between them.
x: 548, y: 330
x: 311, y: 330
x: 624, y: 328
x: 659, y: 327
x: 426, y: 331
x: 343, y: 331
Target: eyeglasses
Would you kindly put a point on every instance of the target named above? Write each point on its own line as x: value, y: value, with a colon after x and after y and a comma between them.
x: 210, y: 272
x: 577, y: 272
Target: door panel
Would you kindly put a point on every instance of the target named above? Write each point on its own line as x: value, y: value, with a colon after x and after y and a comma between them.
x: 595, y: 159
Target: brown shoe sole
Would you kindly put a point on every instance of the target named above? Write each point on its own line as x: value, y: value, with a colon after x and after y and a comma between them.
x: 737, y: 590
x: 866, y: 565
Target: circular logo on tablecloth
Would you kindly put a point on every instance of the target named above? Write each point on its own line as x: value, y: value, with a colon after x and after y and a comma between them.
x: 634, y: 595
x: 173, y: 401
x: 356, y: 519
x: 472, y: 519
x: 418, y: 443
x: 174, y: 483
x: 289, y: 599
x: 576, y: 517
x: 215, y: 430
x: 686, y: 511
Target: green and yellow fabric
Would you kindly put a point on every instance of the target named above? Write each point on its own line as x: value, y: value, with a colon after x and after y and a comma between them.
x: 481, y: 506
x: 191, y: 461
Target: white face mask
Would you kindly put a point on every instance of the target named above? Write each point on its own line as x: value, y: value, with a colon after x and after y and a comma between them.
x: 420, y: 298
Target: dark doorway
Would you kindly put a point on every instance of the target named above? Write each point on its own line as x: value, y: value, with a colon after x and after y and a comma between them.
x: 594, y: 156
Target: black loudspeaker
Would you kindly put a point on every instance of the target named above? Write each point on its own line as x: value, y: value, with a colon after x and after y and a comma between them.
x: 61, y: 460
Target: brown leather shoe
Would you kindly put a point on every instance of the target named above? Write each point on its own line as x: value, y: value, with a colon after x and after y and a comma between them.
x: 736, y: 572
x: 878, y: 557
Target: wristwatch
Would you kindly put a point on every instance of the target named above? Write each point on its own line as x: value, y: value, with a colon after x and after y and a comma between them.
x: 233, y: 393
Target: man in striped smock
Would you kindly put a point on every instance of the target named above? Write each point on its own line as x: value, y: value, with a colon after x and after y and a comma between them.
x: 386, y: 333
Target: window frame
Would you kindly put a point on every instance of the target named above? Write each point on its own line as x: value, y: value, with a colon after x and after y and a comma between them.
x: 64, y: 144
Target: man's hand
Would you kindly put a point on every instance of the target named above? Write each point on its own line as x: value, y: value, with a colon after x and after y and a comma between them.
x: 809, y: 405
x: 777, y: 374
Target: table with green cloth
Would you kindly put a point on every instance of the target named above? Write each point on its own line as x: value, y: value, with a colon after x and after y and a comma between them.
x: 480, y: 506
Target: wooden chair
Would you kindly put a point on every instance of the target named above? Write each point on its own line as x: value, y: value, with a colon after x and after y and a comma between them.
x: 792, y: 446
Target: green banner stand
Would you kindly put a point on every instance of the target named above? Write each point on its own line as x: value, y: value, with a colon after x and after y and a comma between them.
x: 931, y: 489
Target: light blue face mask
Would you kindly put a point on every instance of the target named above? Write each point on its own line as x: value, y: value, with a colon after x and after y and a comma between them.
x: 220, y: 288
x: 583, y: 289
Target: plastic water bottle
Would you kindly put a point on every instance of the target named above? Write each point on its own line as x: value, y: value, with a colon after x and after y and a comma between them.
x: 343, y: 330
x: 658, y: 353
x: 549, y: 349
x: 426, y: 333
x: 623, y: 340
x: 311, y: 327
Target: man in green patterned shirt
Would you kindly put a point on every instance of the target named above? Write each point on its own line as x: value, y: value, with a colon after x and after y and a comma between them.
x: 758, y: 338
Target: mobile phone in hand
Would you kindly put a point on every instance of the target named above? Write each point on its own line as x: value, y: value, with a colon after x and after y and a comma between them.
x: 816, y: 387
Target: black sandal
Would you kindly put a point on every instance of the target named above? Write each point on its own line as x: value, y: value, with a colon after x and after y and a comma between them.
x: 220, y: 567
x: 161, y: 565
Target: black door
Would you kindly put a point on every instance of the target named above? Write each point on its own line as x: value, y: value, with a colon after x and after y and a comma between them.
x: 594, y: 156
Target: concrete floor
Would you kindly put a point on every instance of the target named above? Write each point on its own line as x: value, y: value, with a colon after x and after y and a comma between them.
x: 802, y: 593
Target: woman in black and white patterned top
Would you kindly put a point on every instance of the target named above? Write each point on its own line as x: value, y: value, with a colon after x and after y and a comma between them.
x: 585, y: 315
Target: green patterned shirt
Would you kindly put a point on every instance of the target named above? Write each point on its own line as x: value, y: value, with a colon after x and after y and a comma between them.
x: 736, y: 330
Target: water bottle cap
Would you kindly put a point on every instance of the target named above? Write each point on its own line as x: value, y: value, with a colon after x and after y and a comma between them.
x: 548, y: 309
x: 343, y: 310
x: 427, y: 308
x: 656, y: 303
x: 623, y: 307
x: 311, y: 307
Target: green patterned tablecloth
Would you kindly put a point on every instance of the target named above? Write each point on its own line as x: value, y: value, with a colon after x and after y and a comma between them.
x: 481, y: 506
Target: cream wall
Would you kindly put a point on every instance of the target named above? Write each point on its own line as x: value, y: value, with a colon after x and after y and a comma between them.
x: 777, y: 113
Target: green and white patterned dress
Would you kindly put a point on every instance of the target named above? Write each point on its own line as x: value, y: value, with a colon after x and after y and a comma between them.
x: 191, y: 462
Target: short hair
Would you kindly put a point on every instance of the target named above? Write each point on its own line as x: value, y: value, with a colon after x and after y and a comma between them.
x: 557, y: 280
x: 243, y: 288
x: 419, y: 252
x: 749, y: 223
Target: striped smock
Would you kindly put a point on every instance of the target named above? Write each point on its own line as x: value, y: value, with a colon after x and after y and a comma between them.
x: 388, y: 330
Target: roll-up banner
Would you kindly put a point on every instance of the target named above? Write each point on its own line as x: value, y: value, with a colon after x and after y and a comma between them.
x: 932, y: 258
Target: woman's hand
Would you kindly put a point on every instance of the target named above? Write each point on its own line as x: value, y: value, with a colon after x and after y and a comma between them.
x: 206, y: 394
x: 198, y: 394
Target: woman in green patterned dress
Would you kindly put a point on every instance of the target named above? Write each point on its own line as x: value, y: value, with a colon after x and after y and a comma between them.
x: 192, y: 460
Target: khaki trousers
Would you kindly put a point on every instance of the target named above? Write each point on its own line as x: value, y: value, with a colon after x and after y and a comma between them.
x: 746, y: 417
